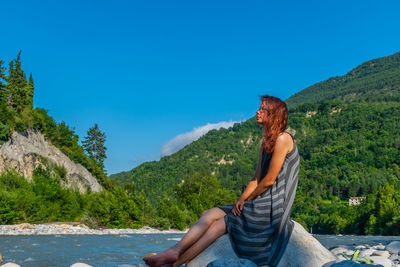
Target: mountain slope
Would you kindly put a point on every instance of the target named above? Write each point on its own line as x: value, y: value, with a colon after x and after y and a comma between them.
x: 377, y: 79
x: 219, y: 151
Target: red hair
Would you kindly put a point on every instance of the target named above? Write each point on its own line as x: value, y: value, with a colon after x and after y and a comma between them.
x: 274, y: 121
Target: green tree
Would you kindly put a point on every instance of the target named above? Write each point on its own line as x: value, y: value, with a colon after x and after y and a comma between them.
x: 2, y: 80
x: 30, y: 88
x: 94, y: 144
x: 18, y: 91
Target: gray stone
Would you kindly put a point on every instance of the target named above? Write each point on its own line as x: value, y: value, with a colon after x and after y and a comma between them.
x: 379, y: 246
x: 394, y: 257
x: 10, y: 264
x: 302, y: 250
x: 346, y: 249
x: 80, y: 264
x: 27, y: 150
x: 394, y: 247
x: 340, y: 258
x: 232, y: 263
x: 381, y: 260
x: 382, y: 253
x: 352, y: 264
x: 366, y: 253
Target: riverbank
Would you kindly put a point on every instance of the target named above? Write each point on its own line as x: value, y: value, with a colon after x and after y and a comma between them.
x: 386, y: 256
x: 62, y: 228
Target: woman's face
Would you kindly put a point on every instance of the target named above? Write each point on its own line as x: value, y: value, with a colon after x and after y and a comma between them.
x: 261, y: 113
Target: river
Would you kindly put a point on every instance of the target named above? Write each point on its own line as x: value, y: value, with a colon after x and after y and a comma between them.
x: 118, y: 250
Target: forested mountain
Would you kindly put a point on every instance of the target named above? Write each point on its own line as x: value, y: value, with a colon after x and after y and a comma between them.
x: 374, y: 80
x: 230, y: 154
x: 348, y: 135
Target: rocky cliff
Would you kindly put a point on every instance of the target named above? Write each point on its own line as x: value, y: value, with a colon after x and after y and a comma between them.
x: 27, y: 150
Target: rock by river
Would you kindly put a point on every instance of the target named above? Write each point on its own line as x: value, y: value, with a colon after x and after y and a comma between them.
x: 302, y: 250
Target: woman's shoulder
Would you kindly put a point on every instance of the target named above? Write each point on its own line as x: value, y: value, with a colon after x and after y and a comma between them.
x: 286, y: 141
x: 285, y: 137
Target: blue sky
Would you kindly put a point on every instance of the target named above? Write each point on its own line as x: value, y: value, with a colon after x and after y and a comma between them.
x: 152, y: 73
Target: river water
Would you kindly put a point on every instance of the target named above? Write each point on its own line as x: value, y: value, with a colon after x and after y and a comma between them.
x: 118, y: 250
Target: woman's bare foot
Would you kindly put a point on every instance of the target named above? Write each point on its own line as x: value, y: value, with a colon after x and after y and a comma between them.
x: 168, y: 256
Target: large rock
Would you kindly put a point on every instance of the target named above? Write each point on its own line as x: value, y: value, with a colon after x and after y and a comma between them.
x: 80, y: 264
x: 394, y: 247
x: 302, y: 250
x: 27, y: 150
x: 10, y: 264
x: 382, y: 261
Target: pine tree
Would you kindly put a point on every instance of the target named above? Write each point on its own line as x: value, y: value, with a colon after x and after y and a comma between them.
x: 18, y: 92
x: 30, y: 91
x: 2, y: 79
x: 94, y: 144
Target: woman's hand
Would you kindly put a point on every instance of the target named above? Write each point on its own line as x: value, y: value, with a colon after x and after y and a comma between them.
x: 237, y: 209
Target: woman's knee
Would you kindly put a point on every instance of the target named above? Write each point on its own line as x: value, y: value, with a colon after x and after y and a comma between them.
x: 212, y: 215
x: 206, y: 216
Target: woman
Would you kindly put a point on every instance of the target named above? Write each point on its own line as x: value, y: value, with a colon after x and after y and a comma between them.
x: 259, y: 223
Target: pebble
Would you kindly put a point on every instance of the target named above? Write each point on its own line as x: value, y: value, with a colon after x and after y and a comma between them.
x: 379, y: 246
x: 382, y: 260
x: 366, y: 253
x: 346, y: 249
x: 386, y: 256
x: 74, y: 229
x: 394, y: 257
x: 382, y: 253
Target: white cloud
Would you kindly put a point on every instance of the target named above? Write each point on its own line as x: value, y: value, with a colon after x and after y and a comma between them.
x: 182, y: 140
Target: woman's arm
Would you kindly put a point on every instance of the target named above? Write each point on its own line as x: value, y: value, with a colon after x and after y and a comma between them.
x: 240, y: 203
x: 249, y: 188
x: 284, y: 144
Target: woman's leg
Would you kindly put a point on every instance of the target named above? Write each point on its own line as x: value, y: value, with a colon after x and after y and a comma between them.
x: 217, y: 229
x: 194, y: 234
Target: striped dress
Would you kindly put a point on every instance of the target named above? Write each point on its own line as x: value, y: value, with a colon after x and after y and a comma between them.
x: 263, y: 229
